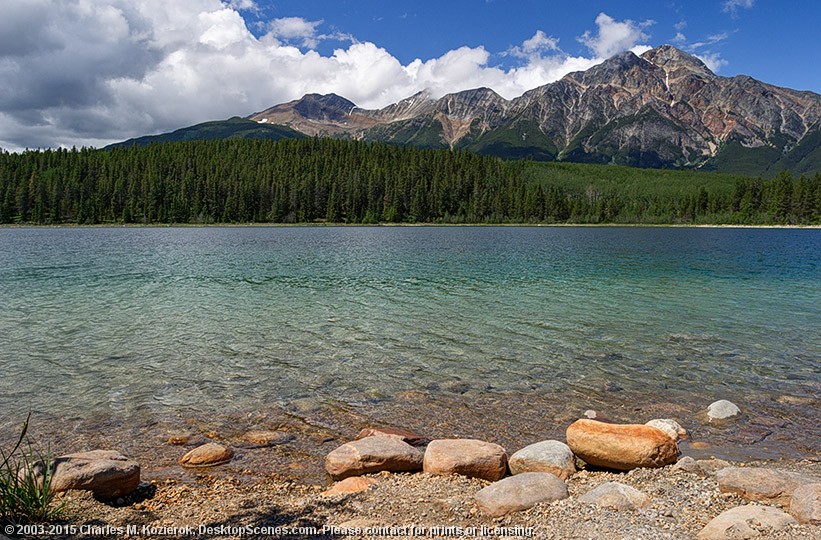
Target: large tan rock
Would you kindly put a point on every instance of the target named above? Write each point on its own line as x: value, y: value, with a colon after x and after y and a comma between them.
x: 771, y: 486
x: 552, y: 457
x: 520, y: 492
x: 207, y: 455
x: 805, y: 504
x: 372, y: 454
x: 750, y: 521
x: 620, y: 446
x: 106, y: 473
x: 468, y: 457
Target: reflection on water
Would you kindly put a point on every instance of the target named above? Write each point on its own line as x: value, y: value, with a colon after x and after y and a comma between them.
x: 161, y: 323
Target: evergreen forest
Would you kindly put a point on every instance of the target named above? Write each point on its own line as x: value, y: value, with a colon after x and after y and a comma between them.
x: 315, y: 180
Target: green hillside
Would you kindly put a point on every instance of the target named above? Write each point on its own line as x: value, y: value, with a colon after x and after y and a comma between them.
x: 233, y: 128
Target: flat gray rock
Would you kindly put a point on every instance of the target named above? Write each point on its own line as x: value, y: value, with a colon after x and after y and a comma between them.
x: 372, y: 454
x: 520, y: 492
x: 750, y: 521
x: 552, y: 457
x: 771, y: 486
x: 805, y: 504
x: 616, y: 496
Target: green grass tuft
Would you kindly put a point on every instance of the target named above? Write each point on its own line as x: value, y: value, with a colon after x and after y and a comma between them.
x: 25, y: 495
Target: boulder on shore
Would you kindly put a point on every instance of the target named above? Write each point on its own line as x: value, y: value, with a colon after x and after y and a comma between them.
x: 805, y: 504
x: 552, y: 457
x: 106, y: 473
x: 414, y: 439
x: 520, y: 492
x: 771, y: 486
x: 621, y: 446
x: 372, y: 454
x: 748, y: 521
x: 468, y: 457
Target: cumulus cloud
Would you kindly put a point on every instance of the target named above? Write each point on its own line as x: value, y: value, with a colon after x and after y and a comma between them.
x: 614, y: 36
x: 90, y: 72
x: 295, y: 28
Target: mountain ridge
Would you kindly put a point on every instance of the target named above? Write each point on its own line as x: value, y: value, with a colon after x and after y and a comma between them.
x: 661, y: 109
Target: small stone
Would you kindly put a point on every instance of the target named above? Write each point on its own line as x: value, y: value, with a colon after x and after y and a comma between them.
x: 414, y: 439
x: 207, y: 455
x: 772, y: 486
x: 620, y: 446
x: 178, y: 440
x: 748, y: 521
x: 805, y: 504
x: 552, y: 457
x: 106, y: 473
x: 354, y: 484
x: 672, y: 428
x: 520, y: 492
x: 712, y: 466
x: 700, y: 445
x: 722, y: 409
x: 687, y: 464
x: 370, y: 455
x: 468, y: 457
x: 616, y: 496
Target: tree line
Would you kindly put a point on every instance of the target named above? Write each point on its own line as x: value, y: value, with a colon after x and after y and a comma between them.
x: 338, y: 181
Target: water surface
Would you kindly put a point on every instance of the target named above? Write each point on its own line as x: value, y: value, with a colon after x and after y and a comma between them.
x: 148, y: 322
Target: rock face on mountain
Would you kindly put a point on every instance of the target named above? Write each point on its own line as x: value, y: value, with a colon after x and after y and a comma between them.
x: 664, y: 108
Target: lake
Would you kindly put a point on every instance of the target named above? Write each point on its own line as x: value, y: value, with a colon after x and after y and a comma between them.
x: 142, y: 325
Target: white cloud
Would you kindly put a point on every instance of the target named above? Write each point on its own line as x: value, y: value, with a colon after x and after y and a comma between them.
x: 614, y: 36
x: 712, y: 60
x: 90, y: 72
x: 732, y: 6
x: 295, y: 28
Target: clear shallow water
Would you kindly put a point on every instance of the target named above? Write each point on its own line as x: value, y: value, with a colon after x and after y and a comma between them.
x: 152, y: 321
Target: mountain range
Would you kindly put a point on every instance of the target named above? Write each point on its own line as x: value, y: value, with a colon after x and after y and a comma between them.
x: 662, y: 109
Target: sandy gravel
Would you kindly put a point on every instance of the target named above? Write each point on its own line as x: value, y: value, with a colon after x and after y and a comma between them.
x: 220, y: 505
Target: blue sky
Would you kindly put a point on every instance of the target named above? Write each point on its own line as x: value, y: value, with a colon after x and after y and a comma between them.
x: 777, y: 42
x: 91, y: 72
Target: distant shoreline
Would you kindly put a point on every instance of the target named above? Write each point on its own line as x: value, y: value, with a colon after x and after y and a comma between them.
x: 365, y: 225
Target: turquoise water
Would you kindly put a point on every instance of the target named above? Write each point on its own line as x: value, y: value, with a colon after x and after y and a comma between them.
x: 136, y: 321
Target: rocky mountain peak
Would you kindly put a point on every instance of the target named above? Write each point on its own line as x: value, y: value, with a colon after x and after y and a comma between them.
x: 330, y: 107
x: 672, y: 59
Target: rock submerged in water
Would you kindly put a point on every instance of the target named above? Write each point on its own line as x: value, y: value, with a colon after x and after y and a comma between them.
x: 468, y: 457
x: 772, y: 486
x: 672, y: 428
x: 372, y: 454
x: 750, y: 521
x: 616, y: 496
x: 106, y: 473
x: 520, y: 492
x: 620, y: 446
x: 207, y: 455
x: 722, y: 410
x: 552, y: 457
